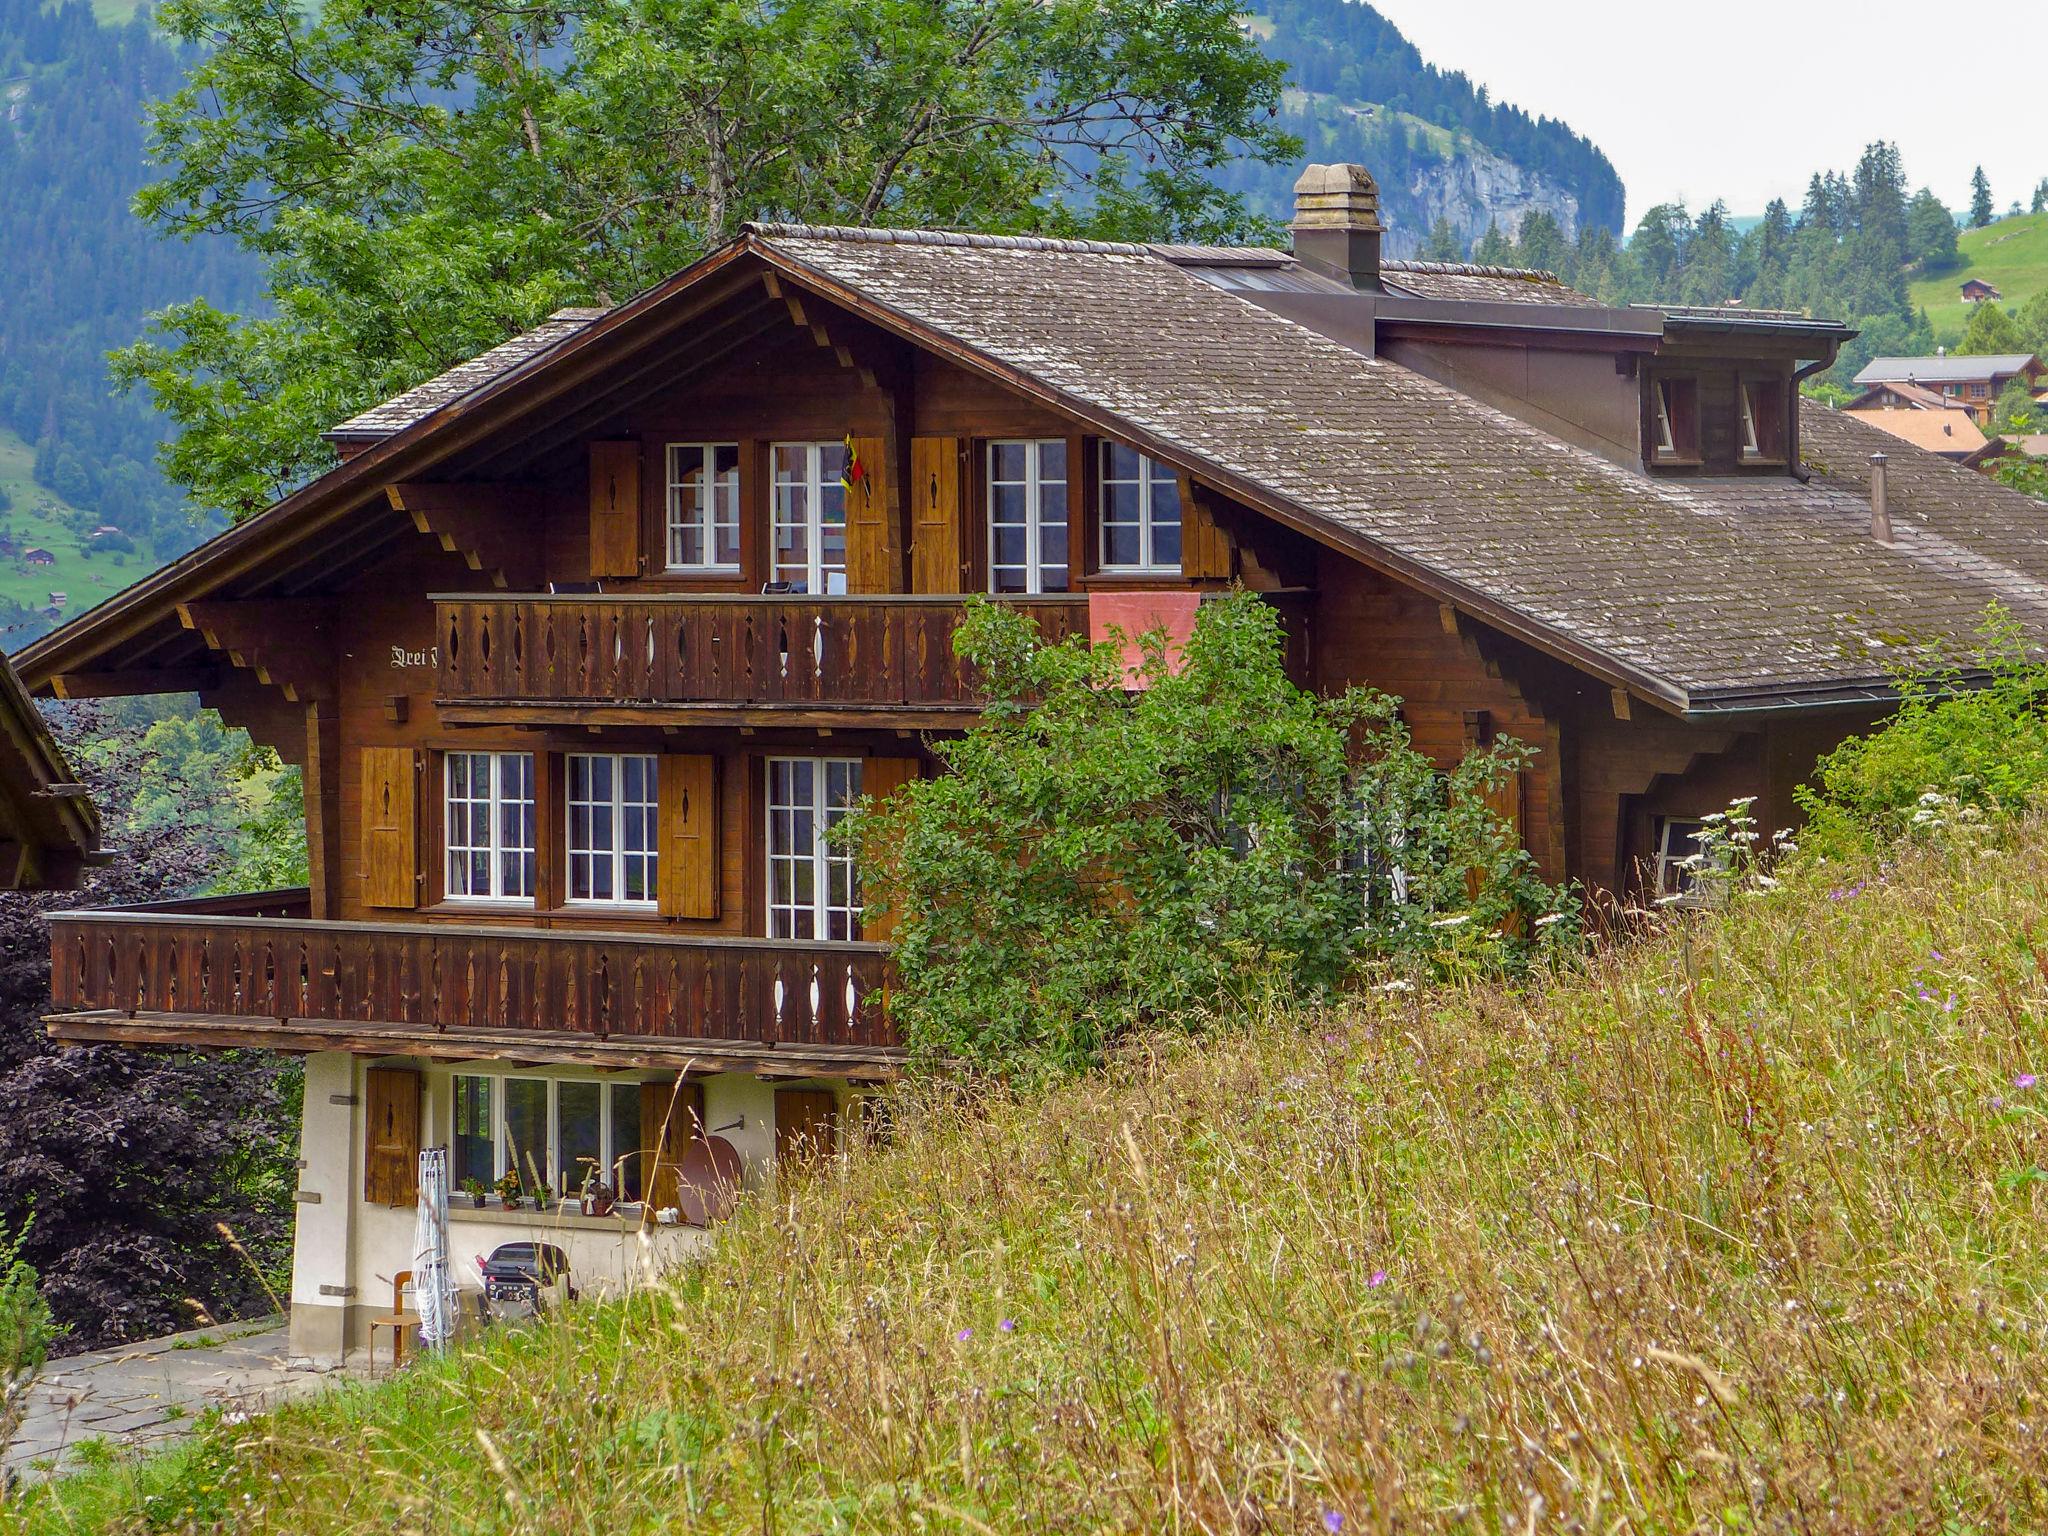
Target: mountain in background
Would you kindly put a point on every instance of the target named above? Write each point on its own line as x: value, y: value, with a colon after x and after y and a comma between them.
x: 1438, y: 145
x: 78, y: 274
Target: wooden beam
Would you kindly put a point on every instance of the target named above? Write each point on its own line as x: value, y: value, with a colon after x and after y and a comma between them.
x: 322, y: 791
x: 491, y: 527
x: 142, y: 680
x: 1619, y: 698
x: 285, y: 642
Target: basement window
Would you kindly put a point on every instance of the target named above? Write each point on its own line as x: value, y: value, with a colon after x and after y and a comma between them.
x: 1675, y: 421
x: 1678, y: 840
x: 554, y: 1129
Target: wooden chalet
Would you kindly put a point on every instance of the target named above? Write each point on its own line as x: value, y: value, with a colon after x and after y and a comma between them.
x: 584, y: 644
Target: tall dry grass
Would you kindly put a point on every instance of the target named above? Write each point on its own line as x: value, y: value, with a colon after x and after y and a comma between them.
x: 1741, y: 1227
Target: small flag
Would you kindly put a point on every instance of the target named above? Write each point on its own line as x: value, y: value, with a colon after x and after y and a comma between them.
x: 855, y: 473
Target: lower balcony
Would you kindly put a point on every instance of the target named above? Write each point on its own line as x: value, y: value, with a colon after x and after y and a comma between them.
x: 255, y: 971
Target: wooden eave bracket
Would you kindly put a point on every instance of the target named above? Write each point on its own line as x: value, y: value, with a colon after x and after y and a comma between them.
x: 283, y: 642
x: 840, y: 352
x: 470, y: 521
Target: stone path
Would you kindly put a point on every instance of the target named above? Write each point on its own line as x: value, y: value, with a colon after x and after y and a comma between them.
x: 153, y: 1391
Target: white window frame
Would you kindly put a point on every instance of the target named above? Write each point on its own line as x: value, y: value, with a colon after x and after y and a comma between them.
x: 715, y: 509
x: 1151, y: 473
x: 1674, y: 881
x: 495, y: 846
x: 501, y: 1147
x: 620, y: 856
x: 1667, y: 441
x: 1038, y: 517
x: 1750, y: 446
x: 818, y: 578
x: 783, y: 917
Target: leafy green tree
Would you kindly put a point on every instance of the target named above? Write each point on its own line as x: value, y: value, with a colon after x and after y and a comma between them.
x: 1443, y: 243
x: 1931, y: 233
x: 26, y: 1329
x: 1992, y: 330
x: 1980, y: 199
x: 1096, y: 860
x: 2040, y: 203
x: 2032, y: 319
x: 422, y: 177
x: 1540, y: 242
x: 2014, y: 409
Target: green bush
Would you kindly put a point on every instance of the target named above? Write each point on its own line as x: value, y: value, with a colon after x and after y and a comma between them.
x: 1099, y: 859
x: 26, y: 1329
x: 1982, y: 748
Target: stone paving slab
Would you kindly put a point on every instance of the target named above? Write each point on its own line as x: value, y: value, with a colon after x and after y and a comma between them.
x: 145, y: 1393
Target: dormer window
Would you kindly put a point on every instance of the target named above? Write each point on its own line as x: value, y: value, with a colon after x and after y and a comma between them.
x: 1762, y: 403
x: 1675, y: 421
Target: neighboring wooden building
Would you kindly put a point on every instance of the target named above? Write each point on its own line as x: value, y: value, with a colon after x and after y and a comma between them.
x: 1976, y: 291
x: 586, y: 642
x: 1972, y: 382
x: 1952, y: 434
x: 49, y: 831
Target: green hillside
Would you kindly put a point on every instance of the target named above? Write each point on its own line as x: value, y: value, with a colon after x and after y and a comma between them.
x: 1741, y: 1228
x: 2011, y: 255
x: 38, y: 518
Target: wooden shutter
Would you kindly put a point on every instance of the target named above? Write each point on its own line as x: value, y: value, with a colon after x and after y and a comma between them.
x: 689, y: 835
x: 874, y: 546
x: 880, y: 778
x: 935, y: 514
x: 661, y: 1157
x: 615, y: 509
x: 391, y: 1162
x: 806, y: 1124
x: 390, y: 823
x: 1204, y: 548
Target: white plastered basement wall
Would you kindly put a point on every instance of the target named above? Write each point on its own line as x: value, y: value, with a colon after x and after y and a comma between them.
x: 346, y: 1251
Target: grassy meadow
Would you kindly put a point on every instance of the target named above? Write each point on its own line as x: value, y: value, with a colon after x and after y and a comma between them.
x: 34, y: 519
x: 2011, y: 254
x: 1741, y: 1225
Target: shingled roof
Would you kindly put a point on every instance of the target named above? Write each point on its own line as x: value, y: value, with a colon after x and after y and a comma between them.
x: 1712, y: 592
x: 424, y: 399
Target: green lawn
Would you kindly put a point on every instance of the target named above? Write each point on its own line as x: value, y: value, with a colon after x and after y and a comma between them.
x: 2011, y: 254
x: 35, y: 520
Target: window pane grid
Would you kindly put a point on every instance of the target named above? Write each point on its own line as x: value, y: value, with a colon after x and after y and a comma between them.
x: 809, y: 516
x: 1139, y: 513
x: 704, y: 506
x: 557, y: 1128
x: 490, y: 826
x: 1027, y: 507
x: 612, y: 828
x: 813, y: 892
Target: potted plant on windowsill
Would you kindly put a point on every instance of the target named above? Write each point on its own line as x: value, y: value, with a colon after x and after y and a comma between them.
x: 474, y: 1188
x: 508, y: 1190
x: 542, y: 1198
x: 597, y: 1196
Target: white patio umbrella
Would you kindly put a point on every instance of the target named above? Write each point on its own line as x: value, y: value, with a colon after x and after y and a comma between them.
x: 432, y: 1283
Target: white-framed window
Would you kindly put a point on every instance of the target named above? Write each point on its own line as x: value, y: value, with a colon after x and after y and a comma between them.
x: 1750, y: 446
x: 1677, y: 841
x: 810, y: 516
x: 554, y: 1129
x: 613, y: 821
x: 1027, y: 515
x: 812, y: 892
x: 1140, y: 513
x: 704, y: 507
x: 1666, y: 441
x: 489, y: 825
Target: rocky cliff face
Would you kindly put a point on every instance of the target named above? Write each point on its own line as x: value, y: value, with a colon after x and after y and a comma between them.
x: 1474, y: 189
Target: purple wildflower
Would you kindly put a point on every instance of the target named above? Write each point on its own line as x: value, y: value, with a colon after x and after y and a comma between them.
x: 1333, y: 1521
x: 1379, y: 1278
x: 1008, y: 1325
x: 2025, y: 1080
x: 964, y: 1335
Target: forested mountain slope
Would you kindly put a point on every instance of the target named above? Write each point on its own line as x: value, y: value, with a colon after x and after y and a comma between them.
x: 1439, y: 146
x: 80, y: 271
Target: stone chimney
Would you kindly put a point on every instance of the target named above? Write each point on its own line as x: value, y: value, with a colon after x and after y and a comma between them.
x: 1337, y: 225
x: 1880, y: 512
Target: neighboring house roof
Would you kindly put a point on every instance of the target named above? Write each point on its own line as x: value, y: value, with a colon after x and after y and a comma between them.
x: 49, y: 830
x: 1915, y: 395
x: 1949, y: 433
x: 1949, y: 369
x: 1472, y: 283
x: 422, y: 399
x: 1706, y: 594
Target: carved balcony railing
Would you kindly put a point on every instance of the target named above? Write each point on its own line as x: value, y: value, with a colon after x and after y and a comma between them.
x: 717, y: 651
x: 444, y: 979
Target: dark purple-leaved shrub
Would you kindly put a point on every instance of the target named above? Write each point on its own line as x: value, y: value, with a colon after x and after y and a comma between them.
x: 117, y: 1164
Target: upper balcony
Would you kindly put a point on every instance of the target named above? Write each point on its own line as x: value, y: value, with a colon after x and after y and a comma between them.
x: 255, y: 971
x: 716, y: 657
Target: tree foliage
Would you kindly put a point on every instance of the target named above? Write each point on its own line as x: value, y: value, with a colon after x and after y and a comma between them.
x: 1097, y: 860
x: 1982, y: 210
x: 423, y: 177
x: 116, y: 1164
x: 1992, y: 331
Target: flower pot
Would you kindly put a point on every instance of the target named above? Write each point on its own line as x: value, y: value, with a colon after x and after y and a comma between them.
x: 477, y: 1201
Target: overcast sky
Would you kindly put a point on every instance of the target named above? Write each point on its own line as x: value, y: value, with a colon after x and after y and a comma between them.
x: 1745, y: 99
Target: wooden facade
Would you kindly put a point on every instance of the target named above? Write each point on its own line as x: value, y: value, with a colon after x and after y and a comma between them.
x: 509, y: 589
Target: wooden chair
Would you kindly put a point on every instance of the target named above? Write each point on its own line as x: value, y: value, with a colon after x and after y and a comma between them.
x: 398, y: 1321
